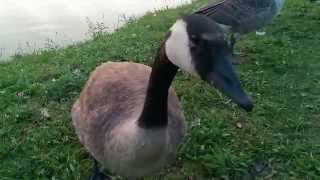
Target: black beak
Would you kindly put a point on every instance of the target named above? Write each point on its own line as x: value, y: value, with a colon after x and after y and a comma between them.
x: 225, y: 79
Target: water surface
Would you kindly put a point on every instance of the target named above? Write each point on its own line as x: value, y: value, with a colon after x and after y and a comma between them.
x: 29, y: 25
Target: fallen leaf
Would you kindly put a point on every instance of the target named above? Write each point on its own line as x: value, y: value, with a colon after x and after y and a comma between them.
x: 260, y: 33
x: 20, y: 94
x: 45, y: 113
x: 239, y: 125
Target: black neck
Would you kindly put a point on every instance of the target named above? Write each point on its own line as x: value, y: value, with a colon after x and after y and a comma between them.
x: 155, y: 110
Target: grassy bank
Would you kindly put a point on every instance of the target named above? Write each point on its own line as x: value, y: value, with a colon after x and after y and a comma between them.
x: 278, y: 140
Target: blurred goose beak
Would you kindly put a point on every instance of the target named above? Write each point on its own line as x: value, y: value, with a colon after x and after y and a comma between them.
x: 224, y: 78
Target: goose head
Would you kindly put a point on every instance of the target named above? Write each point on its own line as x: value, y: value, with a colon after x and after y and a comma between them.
x: 199, y: 46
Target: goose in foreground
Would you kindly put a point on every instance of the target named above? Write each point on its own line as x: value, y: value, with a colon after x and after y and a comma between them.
x: 130, y: 119
x: 242, y: 16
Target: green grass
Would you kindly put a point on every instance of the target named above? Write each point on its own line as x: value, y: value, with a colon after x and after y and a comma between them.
x: 280, y: 71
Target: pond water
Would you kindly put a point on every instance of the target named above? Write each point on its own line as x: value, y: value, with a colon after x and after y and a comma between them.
x: 29, y: 25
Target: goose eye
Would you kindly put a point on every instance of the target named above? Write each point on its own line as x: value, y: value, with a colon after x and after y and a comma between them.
x: 195, y: 39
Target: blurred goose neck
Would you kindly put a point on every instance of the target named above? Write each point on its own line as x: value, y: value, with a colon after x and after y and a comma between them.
x: 155, y: 110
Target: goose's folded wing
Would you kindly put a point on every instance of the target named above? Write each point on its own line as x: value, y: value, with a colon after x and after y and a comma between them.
x: 237, y: 12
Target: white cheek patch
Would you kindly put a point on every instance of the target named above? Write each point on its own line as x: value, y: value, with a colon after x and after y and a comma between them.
x: 177, y: 47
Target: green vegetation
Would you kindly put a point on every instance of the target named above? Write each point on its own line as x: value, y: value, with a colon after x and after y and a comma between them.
x: 278, y: 140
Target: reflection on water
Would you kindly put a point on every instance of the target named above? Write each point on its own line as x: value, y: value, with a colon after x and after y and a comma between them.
x: 28, y: 25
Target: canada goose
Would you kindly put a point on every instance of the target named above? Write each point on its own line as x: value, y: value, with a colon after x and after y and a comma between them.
x: 242, y: 16
x: 128, y: 117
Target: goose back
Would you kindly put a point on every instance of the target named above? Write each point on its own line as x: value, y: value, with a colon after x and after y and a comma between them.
x: 242, y: 16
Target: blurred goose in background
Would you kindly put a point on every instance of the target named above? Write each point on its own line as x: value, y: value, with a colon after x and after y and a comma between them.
x: 130, y: 119
x: 242, y: 16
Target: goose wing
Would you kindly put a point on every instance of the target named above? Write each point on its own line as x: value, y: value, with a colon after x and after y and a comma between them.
x: 241, y: 15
